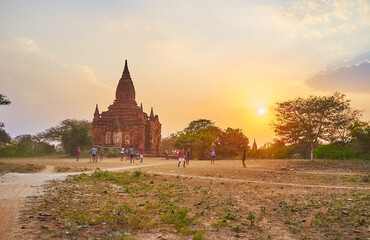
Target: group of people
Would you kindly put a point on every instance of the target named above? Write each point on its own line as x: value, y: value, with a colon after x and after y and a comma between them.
x: 129, y: 153
x: 184, y: 157
x: 95, y: 152
x: 99, y: 151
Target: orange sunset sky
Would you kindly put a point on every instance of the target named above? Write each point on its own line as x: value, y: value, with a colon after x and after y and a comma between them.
x: 227, y: 61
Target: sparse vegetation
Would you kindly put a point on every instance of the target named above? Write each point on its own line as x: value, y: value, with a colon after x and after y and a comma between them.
x: 6, y: 167
x: 136, y: 204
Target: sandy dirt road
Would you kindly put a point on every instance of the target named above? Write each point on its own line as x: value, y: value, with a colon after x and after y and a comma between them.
x: 15, y: 187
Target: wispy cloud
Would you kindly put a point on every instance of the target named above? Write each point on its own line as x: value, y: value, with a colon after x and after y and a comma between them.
x: 319, y: 18
x: 88, y: 73
x: 22, y: 44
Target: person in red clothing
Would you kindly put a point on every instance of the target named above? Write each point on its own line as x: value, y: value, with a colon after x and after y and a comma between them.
x: 181, y: 157
x: 78, y: 153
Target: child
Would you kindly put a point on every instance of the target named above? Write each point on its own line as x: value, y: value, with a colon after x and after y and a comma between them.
x: 122, y: 153
x: 78, y: 153
x: 181, y: 157
x: 141, y: 155
x: 213, y: 155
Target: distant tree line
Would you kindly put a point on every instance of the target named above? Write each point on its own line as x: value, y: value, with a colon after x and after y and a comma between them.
x: 201, y: 135
x: 64, y: 138
x: 313, y: 127
x: 324, y: 127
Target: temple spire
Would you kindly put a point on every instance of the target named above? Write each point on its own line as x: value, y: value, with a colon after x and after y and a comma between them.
x: 96, y: 113
x: 254, y: 147
x: 151, y: 113
x: 126, y: 72
x: 125, y: 89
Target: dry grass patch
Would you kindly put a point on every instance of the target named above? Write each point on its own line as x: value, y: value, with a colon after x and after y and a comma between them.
x: 6, y: 167
x: 137, y: 205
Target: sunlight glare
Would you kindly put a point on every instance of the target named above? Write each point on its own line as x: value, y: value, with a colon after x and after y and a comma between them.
x: 261, y: 111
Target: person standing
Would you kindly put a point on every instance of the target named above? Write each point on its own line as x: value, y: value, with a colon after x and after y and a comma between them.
x: 243, y: 157
x: 78, y: 153
x: 132, y: 155
x: 127, y: 154
x: 122, y: 153
x: 188, y: 156
x: 101, y: 154
x: 181, y: 157
x: 141, y: 155
x: 93, y: 153
x: 213, y: 155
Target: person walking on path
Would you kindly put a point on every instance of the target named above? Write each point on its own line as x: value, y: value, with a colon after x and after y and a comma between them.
x: 78, y: 153
x: 93, y: 153
x: 213, y: 155
x: 181, y: 157
x: 188, y: 156
x: 141, y: 155
x: 243, y: 157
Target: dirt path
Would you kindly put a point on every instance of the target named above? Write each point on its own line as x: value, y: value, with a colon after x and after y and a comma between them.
x: 260, y: 182
x: 314, y: 172
x: 15, y: 187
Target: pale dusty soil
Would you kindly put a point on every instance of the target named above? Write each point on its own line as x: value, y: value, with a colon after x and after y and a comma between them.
x: 291, y: 175
x: 15, y: 187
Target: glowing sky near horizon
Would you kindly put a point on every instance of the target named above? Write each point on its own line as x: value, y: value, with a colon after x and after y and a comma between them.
x: 219, y: 60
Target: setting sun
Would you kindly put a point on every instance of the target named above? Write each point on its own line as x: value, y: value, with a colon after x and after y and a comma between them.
x: 261, y: 111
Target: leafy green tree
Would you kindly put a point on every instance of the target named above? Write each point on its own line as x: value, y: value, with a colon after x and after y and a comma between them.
x: 54, y: 134
x: 167, y: 144
x: 4, y: 137
x: 360, y: 132
x: 308, y: 120
x: 334, y: 151
x: 30, y: 146
x: 74, y: 138
x: 231, y: 143
x: 198, y: 126
x: 342, y: 120
x: 276, y: 150
x: 8, y: 150
x: 24, y: 145
x: 3, y: 101
x: 200, y: 135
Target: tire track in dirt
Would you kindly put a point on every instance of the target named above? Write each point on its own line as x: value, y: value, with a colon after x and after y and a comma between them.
x: 261, y: 182
x: 15, y: 187
x: 314, y: 173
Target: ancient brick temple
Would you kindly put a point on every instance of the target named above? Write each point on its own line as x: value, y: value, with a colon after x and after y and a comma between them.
x: 125, y: 123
